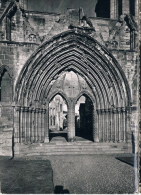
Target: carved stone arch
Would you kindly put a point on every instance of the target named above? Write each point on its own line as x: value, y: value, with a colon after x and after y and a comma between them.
x: 90, y: 59
x: 58, y: 92
x: 85, y: 93
x: 37, y: 54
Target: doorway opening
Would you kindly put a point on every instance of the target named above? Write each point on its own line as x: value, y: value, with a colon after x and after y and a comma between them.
x: 58, y: 118
x: 84, y: 119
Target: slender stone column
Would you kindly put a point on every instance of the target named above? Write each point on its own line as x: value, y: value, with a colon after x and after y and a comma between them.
x: 71, y: 121
x: 17, y: 134
x: 42, y: 126
x: 102, y: 122
x: 33, y: 125
x: 112, y: 129
x: 115, y: 125
x: 24, y: 125
x: 136, y: 9
x: 109, y: 125
x: 30, y: 124
x: 125, y: 7
x: 26, y: 112
x: 114, y: 9
x: 128, y: 130
x: 37, y: 125
x: 119, y: 121
x: 95, y: 126
x: 123, y: 124
x: 98, y: 126
x: 104, y: 125
x: 101, y: 132
x: 21, y: 124
x: 46, y: 123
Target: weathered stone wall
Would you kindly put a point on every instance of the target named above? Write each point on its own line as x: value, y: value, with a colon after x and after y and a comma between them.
x: 14, y: 55
x: 40, y: 28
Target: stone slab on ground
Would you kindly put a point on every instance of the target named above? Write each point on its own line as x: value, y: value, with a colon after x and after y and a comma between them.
x: 26, y: 176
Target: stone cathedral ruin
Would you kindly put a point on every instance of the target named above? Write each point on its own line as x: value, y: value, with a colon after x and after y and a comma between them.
x: 68, y: 82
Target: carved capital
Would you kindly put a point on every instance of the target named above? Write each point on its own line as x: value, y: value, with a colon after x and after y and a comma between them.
x: 123, y: 109
x: 22, y: 109
x: 18, y: 108
x: 26, y: 109
x: 118, y: 110
x: 114, y: 110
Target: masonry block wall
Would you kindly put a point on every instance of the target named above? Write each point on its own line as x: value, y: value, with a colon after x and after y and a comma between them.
x: 22, y: 32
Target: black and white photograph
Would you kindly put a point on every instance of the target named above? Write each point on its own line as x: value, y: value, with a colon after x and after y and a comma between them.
x: 70, y: 97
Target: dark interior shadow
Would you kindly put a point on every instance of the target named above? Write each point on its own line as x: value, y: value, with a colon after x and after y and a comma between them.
x: 127, y: 160
x: 60, y: 190
x: 57, y: 134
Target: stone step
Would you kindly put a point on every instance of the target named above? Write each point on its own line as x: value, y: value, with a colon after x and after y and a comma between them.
x: 46, y: 149
x: 71, y: 150
x: 71, y: 145
x: 74, y: 152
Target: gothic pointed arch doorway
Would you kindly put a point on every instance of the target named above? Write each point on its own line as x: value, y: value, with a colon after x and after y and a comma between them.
x: 72, y: 63
x: 58, y: 118
x: 70, y: 84
x: 84, y: 118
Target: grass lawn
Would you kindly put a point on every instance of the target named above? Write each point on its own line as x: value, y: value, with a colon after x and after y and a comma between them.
x: 26, y: 176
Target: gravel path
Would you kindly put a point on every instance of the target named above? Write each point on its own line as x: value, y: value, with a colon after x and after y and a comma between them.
x: 91, y: 174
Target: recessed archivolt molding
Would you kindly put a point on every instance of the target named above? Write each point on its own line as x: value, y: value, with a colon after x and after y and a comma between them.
x: 85, y: 56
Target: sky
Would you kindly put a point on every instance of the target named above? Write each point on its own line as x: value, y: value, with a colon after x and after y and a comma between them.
x: 60, y: 6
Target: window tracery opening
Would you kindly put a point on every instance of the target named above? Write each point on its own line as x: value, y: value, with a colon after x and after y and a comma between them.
x: 5, y: 87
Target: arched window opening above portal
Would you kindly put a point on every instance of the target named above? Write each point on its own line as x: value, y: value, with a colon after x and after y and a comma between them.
x: 132, y: 7
x: 119, y: 8
x: 84, y: 118
x: 58, y: 117
x: 5, y: 87
x: 102, y: 8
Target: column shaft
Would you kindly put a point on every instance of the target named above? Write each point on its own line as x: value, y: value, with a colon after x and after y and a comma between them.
x: 46, y: 124
x: 16, y: 124
x: 71, y: 121
x: 95, y: 126
x: 125, y: 7
x: 114, y: 9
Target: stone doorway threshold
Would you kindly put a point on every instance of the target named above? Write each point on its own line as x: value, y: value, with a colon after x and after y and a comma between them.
x: 62, y: 139
x: 82, y: 139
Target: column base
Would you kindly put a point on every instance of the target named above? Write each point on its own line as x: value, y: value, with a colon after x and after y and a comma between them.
x: 71, y: 139
x: 96, y: 139
x: 46, y: 140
